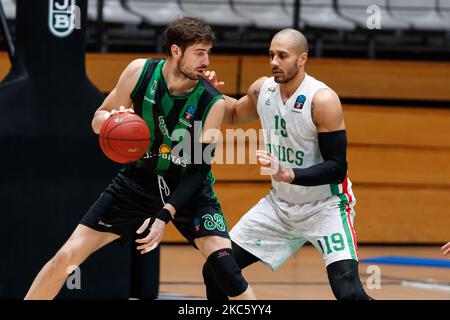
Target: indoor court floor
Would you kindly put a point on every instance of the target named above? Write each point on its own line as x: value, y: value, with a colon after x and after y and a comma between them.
x: 303, y: 276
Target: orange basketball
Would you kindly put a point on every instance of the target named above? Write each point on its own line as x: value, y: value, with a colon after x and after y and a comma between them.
x: 124, y: 137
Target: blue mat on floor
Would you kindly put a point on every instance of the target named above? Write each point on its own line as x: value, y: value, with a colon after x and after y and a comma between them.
x: 409, y: 261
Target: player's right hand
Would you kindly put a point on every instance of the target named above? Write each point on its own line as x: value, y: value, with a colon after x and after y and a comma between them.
x: 152, y: 240
x: 211, y: 77
x: 271, y: 166
x: 121, y: 109
x: 446, y: 248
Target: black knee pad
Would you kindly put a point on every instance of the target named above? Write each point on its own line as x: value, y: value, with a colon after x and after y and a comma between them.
x: 344, y: 281
x: 226, y: 272
x: 208, y: 276
x: 213, y: 290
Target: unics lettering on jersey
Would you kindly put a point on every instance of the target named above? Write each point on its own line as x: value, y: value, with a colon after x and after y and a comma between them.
x: 286, y: 154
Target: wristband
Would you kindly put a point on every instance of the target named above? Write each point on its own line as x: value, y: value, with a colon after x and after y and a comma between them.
x: 164, y: 215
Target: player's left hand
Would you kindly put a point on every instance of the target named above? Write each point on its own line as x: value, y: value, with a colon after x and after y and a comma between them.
x: 152, y: 240
x: 271, y: 166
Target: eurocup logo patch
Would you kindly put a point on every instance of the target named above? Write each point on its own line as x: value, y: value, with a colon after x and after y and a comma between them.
x: 190, y: 112
x: 63, y: 17
x: 299, y: 102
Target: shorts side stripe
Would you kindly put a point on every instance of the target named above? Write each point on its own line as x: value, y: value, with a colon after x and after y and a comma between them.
x: 345, y: 223
x: 348, y: 210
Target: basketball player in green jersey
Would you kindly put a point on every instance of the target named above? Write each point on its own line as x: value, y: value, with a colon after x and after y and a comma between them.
x: 174, y: 99
x: 311, y: 199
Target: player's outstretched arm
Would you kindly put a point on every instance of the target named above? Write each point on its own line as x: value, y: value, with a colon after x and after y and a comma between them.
x: 242, y: 110
x: 245, y: 109
x: 446, y: 248
x: 120, y: 95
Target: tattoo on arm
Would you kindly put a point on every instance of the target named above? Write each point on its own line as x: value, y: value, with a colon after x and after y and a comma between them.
x: 312, y: 114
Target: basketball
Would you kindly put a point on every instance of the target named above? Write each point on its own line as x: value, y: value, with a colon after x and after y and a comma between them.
x: 124, y: 137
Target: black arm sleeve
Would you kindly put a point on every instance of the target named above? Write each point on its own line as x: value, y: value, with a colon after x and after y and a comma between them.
x: 333, y: 147
x: 191, y: 180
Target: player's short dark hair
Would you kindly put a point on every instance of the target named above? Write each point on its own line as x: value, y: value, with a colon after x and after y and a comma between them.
x: 187, y: 31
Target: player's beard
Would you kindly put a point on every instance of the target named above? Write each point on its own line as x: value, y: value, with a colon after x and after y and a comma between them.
x: 184, y: 71
x: 286, y: 76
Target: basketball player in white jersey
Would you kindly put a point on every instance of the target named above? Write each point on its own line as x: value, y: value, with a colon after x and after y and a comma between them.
x: 446, y: 248
x: 311, y: 199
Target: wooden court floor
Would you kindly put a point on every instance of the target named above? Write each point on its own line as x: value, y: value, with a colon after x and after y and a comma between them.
x: 303, y: 276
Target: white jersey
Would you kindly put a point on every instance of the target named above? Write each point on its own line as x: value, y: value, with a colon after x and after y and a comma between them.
x: 291, y: 136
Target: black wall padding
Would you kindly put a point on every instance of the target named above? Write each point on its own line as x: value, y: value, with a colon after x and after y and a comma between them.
x: 52, y: 168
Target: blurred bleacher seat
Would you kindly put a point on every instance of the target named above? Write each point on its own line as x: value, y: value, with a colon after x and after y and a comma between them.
x: 157, y: 12
x: 9, y: 6
x: 444, y: 9
x: 356, y: 10
x: 421, y: 14
x: 113, y: 12
x: 265, y: 14
x: 215, y: 12
x: 321, y: 14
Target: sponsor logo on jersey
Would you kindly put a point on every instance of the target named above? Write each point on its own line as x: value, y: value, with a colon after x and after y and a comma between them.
x: 149, y: 155
x: 299, y: 102
x: 148, y: 99
x: 153, y: 89
x: 190, y: 112
x: 163, y: 127
x: 267, y: 102
x: 187, y: 124
x: 165, y: 152
x: 164, y: 149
